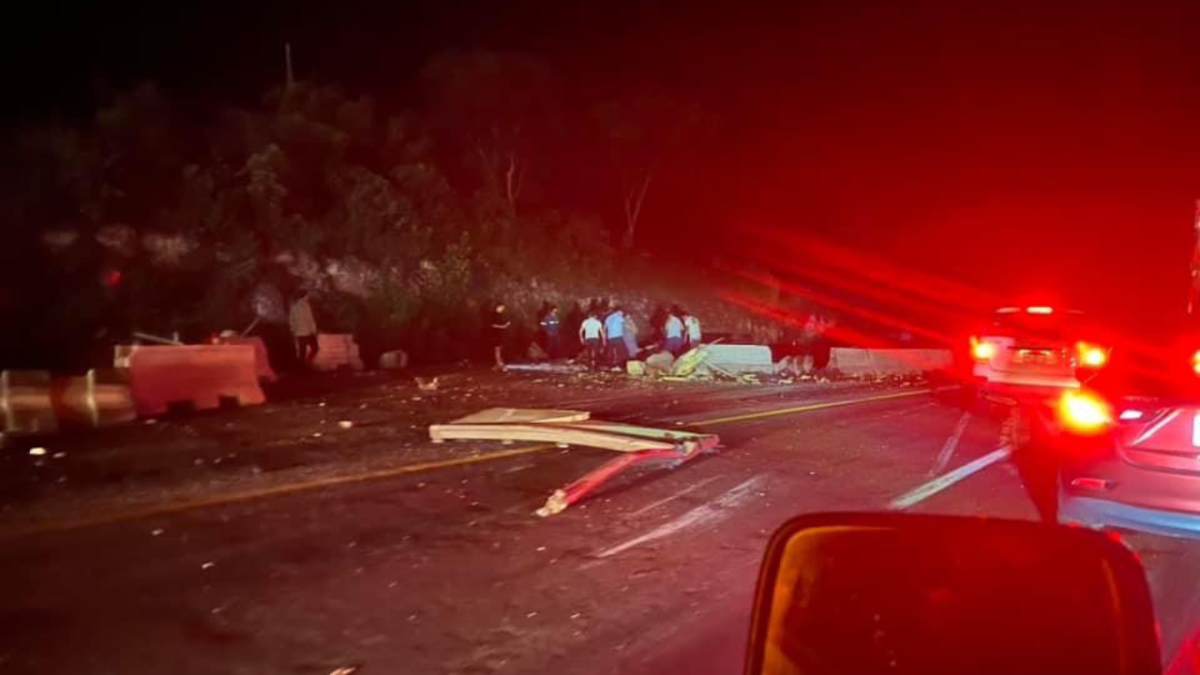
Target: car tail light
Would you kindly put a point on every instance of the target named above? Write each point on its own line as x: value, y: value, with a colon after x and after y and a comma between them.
x: 1092, y: 356
x: 982, y: 351
x: 1084, y: 412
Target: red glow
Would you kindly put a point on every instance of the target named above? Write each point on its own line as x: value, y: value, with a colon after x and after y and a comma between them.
x: 112, y: 278
x: 982, y: 351
x: 1196, y: 363
x: 1092, y: 356
x: 1040, y: 310
x: 1084, y: 412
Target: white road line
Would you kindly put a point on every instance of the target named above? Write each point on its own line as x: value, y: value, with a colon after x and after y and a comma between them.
x: 691, y: 488
x: 951, y: 444
x: 944, y: 481
x: 713, y: 511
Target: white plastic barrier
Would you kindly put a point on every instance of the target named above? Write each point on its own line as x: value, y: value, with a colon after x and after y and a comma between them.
x: 740, y: 358
x: 853, y: 361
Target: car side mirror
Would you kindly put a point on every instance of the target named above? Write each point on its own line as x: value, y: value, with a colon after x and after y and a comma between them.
x: 891, y: 593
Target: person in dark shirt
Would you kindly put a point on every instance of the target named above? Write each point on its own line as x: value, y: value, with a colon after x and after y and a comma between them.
x: 498, y: 330
x: 550, y: 331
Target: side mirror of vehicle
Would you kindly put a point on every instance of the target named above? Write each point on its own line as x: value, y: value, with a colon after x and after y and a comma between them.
x: 893, y: 593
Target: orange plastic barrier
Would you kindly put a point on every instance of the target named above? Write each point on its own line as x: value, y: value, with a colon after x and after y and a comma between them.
x: 262, y: 359
x: 201, y: 375
x: 337, y: 350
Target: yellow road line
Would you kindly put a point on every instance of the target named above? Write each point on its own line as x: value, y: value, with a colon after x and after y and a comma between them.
x: 807, y: 408
x: 421, y: 467
x: 278, y: 490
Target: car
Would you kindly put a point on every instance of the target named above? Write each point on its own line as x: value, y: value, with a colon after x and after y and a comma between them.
x: 1033, y: 351
x: 1128, y: 440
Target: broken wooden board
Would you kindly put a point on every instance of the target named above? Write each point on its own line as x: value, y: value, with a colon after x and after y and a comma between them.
x: 523, y: 415
x: 545, y: 433
x: 638, y: 445
x: 631, y: 430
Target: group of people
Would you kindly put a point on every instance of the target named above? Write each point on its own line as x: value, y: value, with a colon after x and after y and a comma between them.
x: 608, y: 335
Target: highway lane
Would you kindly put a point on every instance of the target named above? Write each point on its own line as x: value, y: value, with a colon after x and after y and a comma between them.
x: 448, y: 572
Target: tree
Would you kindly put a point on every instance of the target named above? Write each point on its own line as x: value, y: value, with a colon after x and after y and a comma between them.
x: 495, y: 104
x: 648, y: 135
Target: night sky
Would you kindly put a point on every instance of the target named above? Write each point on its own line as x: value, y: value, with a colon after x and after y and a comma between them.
x: 1012, y: 145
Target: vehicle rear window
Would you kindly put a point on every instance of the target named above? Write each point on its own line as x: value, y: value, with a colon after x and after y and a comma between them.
x: 1056, y: 326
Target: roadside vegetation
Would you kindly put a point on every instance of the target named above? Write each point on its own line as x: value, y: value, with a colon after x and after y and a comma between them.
x: 495, y: 181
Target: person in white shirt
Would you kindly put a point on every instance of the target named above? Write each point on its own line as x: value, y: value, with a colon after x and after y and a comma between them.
x: 591, y: 334
x: 692, y: 327
x: 673, y: 332
x: 304, y: 328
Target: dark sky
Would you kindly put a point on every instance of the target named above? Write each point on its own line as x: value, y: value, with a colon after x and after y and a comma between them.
x: 1033, y: 144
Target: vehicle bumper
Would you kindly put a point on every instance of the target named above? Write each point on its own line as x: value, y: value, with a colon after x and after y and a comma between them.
x: 1133, y: 498
x: 1004, y: 392
x: 1093, y: 512
x: 1024, y: 380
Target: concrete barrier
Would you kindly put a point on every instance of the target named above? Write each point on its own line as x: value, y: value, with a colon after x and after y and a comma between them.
x: 197, y: 374
x: 337, y: 350
x: 889, y: 361
x: 27, y: 402
x: 740, y: 358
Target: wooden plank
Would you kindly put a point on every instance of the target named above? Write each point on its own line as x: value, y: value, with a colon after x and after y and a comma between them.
x: 631, y: 430
x: 540, y: 433
x: 523, y: 416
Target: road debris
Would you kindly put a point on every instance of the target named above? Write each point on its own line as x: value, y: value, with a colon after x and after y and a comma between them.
x: 563, y: 368
x: 637, y: 445
x: 660, y: 363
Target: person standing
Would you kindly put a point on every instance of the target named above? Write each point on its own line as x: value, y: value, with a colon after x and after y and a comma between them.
x: 304, y: 328
x: 498, y: 330
x: 631, y: 337
x: 591, y: 334
x: 691, y: 327
x: 673, y: 332
x: 614, y: 331
x: 550, y: 331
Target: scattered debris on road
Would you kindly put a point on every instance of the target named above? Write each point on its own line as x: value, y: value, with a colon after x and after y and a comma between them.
x: 638, y: 445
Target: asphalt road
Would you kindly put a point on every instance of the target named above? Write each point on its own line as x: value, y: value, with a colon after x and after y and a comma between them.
x: 446, y: 570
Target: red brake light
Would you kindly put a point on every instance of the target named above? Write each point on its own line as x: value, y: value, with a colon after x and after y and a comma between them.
x: 1084, y: 412
x: 1092, y: 356
x: 982, y: 351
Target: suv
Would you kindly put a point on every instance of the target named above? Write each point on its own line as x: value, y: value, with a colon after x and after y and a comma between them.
x: 1033, y: 350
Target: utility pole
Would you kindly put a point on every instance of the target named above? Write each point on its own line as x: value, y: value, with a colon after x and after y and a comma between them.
x: 287, y: 61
